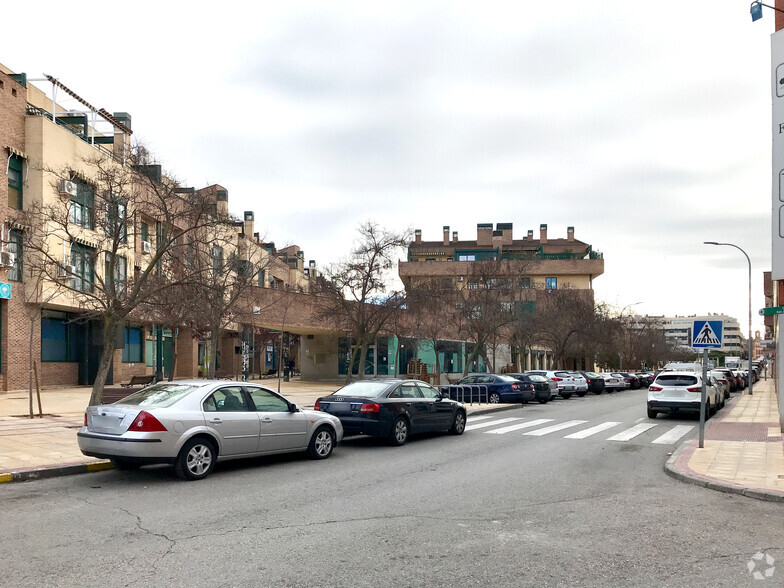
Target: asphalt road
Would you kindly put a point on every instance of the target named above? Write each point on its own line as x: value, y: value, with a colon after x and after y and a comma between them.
x: 483, y: 509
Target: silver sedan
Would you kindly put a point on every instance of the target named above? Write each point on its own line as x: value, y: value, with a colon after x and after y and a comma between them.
x: 194, y: 424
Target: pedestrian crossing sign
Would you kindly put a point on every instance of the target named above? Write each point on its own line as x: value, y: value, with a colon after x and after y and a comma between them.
x: 707, y: 334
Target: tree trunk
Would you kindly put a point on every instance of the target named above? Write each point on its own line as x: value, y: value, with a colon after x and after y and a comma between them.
x: 109, y: 334
x: 174, y: 356
x: 362, y: 359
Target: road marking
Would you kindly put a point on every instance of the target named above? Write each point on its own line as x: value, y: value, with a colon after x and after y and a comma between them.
x: 592, y: 430
x: 673, y: 435
x: 518, y: 426
x: 489, y: 424
x: 639, y: 420
x: 477, y: 418
x: 554, y: 428
x: 632, y: 433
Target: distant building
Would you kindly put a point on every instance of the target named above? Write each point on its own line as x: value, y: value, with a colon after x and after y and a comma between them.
x: 678, y: 331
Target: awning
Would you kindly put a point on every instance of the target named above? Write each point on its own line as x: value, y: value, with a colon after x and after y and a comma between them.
x: 83, y: 241
x: 15, y: 151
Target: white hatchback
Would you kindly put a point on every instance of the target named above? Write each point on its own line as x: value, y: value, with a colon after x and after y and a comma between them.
x: 681, y: 391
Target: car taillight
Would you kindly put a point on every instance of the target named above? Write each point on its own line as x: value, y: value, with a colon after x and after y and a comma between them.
x: 532, y: 386
x: 694, y: 389
x: 653, y: 388
x: 588, y: 381
x: 557, y: 379
x: 515, y: 386
x: 85, y: 419
x: 146, y: 423
x: 369, y: 408
x: 316, y: 406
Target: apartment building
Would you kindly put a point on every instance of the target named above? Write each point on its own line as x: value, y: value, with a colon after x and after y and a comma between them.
x: 678, y: 331
x: 81, y: 220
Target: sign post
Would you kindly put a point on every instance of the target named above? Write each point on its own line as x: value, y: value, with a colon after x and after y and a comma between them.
x: 705, y: 335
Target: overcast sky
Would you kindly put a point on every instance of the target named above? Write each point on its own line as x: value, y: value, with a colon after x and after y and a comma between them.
x: 646, y: 126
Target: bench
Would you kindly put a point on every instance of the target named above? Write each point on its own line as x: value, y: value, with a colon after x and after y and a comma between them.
x: 139, y: 381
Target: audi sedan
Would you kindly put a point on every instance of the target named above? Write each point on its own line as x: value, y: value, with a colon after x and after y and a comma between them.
x: 193, y: 424
x: 393, y: 409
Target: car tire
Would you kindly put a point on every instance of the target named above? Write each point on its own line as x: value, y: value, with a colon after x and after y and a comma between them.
x: 196, y: 459
x: 322, y: 443
x: 124, y: 464
x: 597, y: 392
x: 566, y: 395
x: 398, y: 435
x: 581, y: 394
x: 652, y: 414
x: 708, y: 410
x: 459, y: 424
x: 494, y: 398
x: 543, y: 400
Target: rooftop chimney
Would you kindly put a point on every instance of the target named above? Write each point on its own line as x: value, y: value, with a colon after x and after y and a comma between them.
x: 506, y: 231
x: 248, y: 225
x: 446, y: 235
x: 570, y: 233
x: 530, y: 236
x: 484, y: 234
x: 418, y: 236
x: 454, y: 236
x: 542, y: 234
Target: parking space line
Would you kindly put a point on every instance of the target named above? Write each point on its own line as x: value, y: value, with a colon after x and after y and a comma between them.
x: 673, y: 434
x: 471, y: 419
x: 632, y: 433
x: 554, y: 428
x: 592, y: 430
x: 518, y: 426
x: 490, y: 423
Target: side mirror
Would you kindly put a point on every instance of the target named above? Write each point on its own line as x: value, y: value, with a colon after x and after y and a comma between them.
x: 293, y: 408
x: 440, y: 398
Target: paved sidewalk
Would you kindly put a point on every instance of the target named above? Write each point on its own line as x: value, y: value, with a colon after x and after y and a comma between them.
x: 47, y: 447
x: 743, y: 453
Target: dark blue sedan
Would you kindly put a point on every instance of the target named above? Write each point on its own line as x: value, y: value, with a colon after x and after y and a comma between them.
x: 492, y: 388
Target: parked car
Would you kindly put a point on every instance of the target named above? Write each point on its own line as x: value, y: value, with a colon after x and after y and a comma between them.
x: 742, y: 378
x: 581, y: 383
x: 612, y: 383
x: 193, y: 424
x: 565, y: 384
x: 723, y: 380
x: 634, y: 381
x: 393, y: 409
x: 492, y: 388
x: 676, y: 391
x: 646, y: 378
x: 539, y: 384
x: 595, y: 383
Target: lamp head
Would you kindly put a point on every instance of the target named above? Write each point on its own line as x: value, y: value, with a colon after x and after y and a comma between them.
x: 710, y: 243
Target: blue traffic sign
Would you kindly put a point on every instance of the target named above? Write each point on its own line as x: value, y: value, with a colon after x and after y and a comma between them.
x: 5, y: 290
x: 707, y: 334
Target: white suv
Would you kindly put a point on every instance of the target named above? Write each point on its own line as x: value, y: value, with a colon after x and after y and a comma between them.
x: 565, y: 382
x: 681, y: 391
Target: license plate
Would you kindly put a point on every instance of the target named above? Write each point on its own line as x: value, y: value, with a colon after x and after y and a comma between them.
x: 339, y: 406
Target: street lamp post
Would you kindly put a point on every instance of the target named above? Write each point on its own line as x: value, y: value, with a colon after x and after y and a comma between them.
x: 751, y: 377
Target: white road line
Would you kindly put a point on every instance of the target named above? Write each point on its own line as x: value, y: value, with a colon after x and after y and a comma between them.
x: 632, y: 433
x: 477, y: 418
x: 639, y: 420
x: 673, y: 434
x: 489, y: 424
x: 518, y: 426
x: 592, y: 430
x: 554, y: 428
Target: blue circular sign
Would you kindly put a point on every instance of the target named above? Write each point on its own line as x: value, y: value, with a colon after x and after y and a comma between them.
x: 5, y: 290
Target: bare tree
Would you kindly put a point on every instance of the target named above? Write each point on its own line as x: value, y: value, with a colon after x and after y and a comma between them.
x: 356, y: 292
x: 430, y: 312
x: 564, y: 318
x: 83, y: 245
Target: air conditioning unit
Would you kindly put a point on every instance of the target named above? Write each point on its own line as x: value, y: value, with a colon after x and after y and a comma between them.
x: 66, y: 271
x: 146, y: 247
x: 67, y: 188
x: 7, y: 259
x: 460, y: 278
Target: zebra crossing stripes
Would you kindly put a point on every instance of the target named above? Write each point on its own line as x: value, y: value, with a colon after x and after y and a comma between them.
x: 632, y: 433
x: 490, y: 423
x: 592, y: 431
x: 480, y: 417
x: 673, y: 435
x: 518, y: 426
x: 554, y: 428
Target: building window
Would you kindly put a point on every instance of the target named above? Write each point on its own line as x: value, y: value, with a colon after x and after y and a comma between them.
x: 525, y: 283
x: 473, y: 285
x: 82, y: 258
x: 15, y: 247
x: 58, y: 337
x: 132, y: 350
x: 82, y: 205
x: 116, y: 211
x: 551, y: 283
x: 466, y: 258
x: 262, y: 277
x: 15, y: 164
x: 430, y: 259
x: 217, y: 260
x: 120, y: 274
x: 145, y: 229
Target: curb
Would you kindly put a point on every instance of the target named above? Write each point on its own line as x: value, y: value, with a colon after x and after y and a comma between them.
x: 54, y: 472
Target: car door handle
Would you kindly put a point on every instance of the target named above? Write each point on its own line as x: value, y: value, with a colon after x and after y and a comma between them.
x: 216, y: 421
x: 266, y: 420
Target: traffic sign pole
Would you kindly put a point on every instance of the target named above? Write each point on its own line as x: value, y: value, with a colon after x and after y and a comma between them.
x: 703, y: 396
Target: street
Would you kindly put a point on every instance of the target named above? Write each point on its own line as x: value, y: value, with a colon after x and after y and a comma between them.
x: 578, y: 504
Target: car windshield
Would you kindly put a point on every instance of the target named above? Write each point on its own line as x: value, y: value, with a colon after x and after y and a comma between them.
x: 676, y: 380
x: 535, y: 378
x: 159, y: 395
x: 362, y: 389
x: 592, y: 374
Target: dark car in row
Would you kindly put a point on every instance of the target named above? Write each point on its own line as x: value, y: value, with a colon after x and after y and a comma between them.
x: 491, y: 388
x: 393, y: 409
